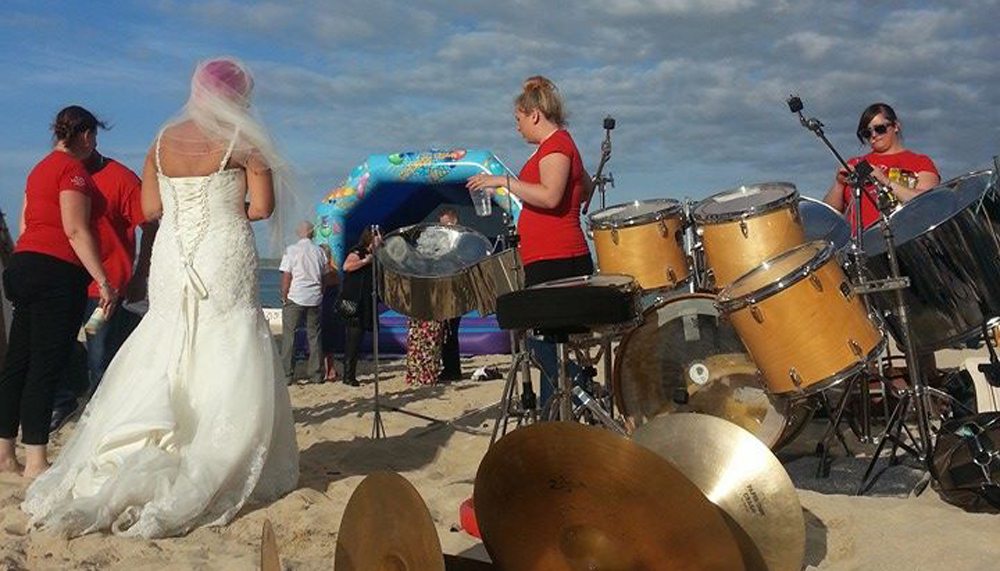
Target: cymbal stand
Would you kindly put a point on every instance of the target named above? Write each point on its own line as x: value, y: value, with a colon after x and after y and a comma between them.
x: 693, y: 248
x: 601, y: 180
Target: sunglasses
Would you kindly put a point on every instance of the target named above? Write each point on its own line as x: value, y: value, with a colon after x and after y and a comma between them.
x: 875, y: 130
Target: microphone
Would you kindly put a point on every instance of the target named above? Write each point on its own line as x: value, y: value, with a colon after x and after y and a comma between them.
x: 609, y: 123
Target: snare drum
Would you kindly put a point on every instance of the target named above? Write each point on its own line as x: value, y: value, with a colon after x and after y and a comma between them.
x: 801, y: 320
x: 684, y: 358
x: 643, y: 239
x: 741, y: 228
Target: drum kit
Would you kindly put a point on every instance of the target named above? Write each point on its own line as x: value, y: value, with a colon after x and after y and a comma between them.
x: 754, y: 302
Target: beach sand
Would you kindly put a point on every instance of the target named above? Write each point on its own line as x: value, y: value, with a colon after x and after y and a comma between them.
x: 334, y: 425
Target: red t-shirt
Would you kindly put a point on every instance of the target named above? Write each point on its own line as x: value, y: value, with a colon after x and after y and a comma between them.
x: 553, y: 233
x: 118, y: 205
x: 901, y: 168
x: 43, y: 229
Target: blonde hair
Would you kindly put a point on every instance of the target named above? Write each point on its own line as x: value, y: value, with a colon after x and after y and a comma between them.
x: 539, y: 93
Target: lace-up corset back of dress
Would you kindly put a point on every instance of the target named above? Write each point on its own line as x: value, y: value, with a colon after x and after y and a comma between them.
x: 206, y: 241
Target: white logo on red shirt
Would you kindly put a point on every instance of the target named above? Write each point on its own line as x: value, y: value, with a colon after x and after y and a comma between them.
x: 78, y: 181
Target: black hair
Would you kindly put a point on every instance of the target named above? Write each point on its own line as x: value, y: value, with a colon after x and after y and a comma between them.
x: 870, y: 113
x: 74, y: 120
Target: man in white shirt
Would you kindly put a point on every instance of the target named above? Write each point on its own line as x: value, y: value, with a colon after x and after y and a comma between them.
x: 302, y: 267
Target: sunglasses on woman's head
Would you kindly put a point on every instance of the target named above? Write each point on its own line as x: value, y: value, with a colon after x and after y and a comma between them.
x: 875, y: 130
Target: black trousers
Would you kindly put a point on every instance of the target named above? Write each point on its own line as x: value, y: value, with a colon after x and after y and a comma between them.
x: 548, y: 270
x: 451, y: 358
x: 352, y: 346
x: 49, y: 296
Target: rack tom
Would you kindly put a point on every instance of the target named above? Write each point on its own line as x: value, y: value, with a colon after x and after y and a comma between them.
x: 642, y: 239
x: 742, y: 227
x: 801, y: 320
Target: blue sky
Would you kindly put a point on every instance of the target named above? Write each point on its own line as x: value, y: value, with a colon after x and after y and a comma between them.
x: 697, y: 86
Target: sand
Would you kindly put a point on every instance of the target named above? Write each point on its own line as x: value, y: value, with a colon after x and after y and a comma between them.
x: 334, y: 426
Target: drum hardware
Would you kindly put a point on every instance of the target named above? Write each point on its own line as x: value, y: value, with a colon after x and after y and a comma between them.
x: 597, y: 410
x: 742, y: 477
x: 600, y: 181
x: 693, y: 251
x: 580, y: 497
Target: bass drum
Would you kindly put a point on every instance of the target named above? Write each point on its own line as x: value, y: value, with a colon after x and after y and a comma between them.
x: 684, y: 358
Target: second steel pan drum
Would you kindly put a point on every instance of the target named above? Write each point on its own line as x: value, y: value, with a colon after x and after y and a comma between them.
x: 684, y: 358
x: 821, y: 222
x: 801, y: 320
x: 642, y: 239
x: 496, y: 275
x: 742, y: 227
x: 947, y: 244
x: 427, y: 270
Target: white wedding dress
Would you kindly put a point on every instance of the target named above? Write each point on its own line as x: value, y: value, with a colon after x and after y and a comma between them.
x: 191, y: 419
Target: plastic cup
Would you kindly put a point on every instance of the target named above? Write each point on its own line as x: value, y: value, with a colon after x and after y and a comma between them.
x: 482, y: 200
x: 96, y: 321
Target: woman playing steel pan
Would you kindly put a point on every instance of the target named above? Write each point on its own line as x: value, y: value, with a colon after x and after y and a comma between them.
x: 552, y: 185
x: 906, y: 173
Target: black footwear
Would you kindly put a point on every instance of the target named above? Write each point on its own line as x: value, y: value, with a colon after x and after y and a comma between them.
x: 60, y: 416
x: 449, y: 377
x: 352, y: 382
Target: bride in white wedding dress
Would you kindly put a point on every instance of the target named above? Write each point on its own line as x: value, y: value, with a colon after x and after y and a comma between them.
x: 191, y: 420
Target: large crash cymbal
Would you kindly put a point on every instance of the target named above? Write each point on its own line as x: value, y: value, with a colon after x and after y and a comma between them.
x: 560, y: 496
x: 741, y: 476
x: 386, y: 527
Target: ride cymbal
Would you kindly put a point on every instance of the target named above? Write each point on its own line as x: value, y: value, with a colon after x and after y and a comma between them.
x: 741, y: 476
x: 269, y: 559
x: 386, y: 527
x: 560, y: 496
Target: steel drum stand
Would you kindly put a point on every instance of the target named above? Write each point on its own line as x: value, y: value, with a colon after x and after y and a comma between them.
x: 378, y: 428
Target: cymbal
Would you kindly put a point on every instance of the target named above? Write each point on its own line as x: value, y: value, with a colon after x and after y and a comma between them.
x: 269, y: 559
x: 456, y: 563
x: 561, y: 496
x: 386, y: 527
x: 741, y: 476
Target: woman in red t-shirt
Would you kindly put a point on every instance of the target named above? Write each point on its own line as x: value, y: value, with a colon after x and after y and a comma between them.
x: 905, y: 172
x: 54, y: 260
x: 552, y: 185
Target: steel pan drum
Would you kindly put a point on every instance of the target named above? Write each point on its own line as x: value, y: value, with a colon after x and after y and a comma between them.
x: 742, y: 227
x: 821, y: 222
x: 947, y: 244
x: 683, y: 352
x: 642, y: 239
x: 494, y: 276
x: 801, y: 320
x: 428, y: 270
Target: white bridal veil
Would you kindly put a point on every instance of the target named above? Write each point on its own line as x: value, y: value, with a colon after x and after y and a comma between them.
x: 220, y: 109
